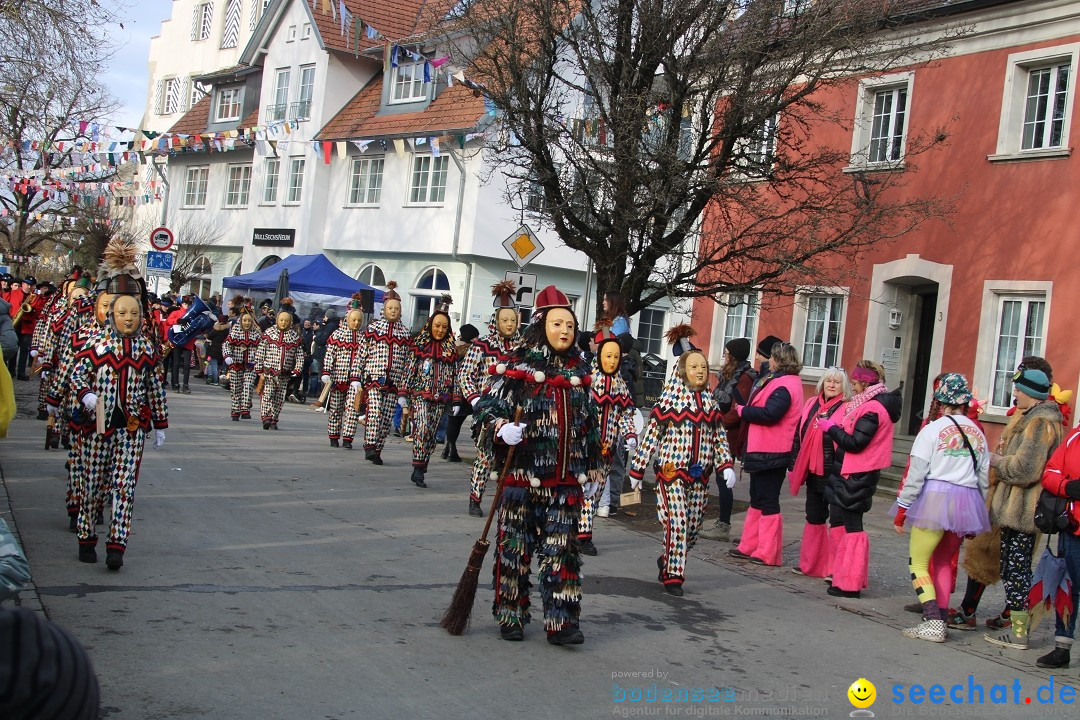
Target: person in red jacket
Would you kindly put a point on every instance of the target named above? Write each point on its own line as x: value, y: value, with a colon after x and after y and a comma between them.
x: 181, y: 355
x: 33, y: 295
x: 1061, y: 477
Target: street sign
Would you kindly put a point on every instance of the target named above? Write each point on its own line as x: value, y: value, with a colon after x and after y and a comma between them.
x: 526, y: 287
x: 160, y: 261
x: 161, y: 238
x: 523, y: 246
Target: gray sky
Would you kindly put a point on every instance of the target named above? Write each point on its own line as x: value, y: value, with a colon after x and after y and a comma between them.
x: 126, y: 74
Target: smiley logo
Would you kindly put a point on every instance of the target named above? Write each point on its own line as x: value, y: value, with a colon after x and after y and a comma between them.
x: 862, y: 693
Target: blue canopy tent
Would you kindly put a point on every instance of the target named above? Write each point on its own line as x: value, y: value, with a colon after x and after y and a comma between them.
x: 312, y: 279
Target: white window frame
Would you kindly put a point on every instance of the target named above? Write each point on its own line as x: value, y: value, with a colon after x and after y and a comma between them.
x: 995, y: 293
x: 306, y: 32
x: 362, y: 192
x: 271, y: 181
x: 369, y: 271
x: 228, y: 98
x: 648, y: 340
x: 290, y: 34
x: 738, y: 318
x: 238, y: 186
x: 198, y: 92
x: 800, y: 316
x: 1014, y: 102
x: 407, y: 83
x: 196, y: 181
x: 423, y: 173
x: 203, y: 23
x: 173, y: 96
x: 282, y: 79
x: 294, y: 191
x: 755, y: 155
x: 305, y: 93
x: 864, y: 120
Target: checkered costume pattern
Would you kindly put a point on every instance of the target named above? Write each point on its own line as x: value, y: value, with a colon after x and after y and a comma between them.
x: 473, y: 375
x: 342, y: 364
x: 241, y: 346
x: 430, y: 372
x: 615, y: 418
x: 382, y: 357
x: 42, y: 342
x: 277, y: 359
x: 121, y: 372
x: 685, y: 434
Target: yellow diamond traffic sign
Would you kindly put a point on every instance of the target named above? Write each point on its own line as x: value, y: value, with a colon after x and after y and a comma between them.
x: 523, y: 246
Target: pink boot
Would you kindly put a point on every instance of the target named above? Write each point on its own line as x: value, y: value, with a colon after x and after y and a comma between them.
x: 836, y: 536
x: 770, y: 547
x: 748, y: 544
x: 852, y: 569
x: 814, y: 551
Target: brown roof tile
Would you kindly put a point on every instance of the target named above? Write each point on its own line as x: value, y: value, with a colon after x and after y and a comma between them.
x: 194, y: 120
x: 395, y: 19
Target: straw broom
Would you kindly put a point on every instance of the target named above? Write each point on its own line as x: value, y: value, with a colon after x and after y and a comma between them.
x: 456, y: 617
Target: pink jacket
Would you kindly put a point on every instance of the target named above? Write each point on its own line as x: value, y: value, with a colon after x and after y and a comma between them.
x: 778, y: 437
x: 878, y: 454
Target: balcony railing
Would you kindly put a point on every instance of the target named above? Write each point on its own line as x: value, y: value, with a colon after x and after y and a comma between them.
x: 275, y: 112
x: 300, y: 110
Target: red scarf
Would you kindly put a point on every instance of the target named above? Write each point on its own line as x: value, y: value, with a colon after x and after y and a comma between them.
x: 811, y: 459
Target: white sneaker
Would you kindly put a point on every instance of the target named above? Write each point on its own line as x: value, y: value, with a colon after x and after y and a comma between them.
x: 602, y: 511
x: 932, y: 630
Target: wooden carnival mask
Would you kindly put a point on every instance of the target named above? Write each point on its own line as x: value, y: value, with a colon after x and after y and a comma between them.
x: 101, y: 307
x: 284, y: 321
x: 392, y: 310
x: 440, y: 326
x: 126, y: 315
x: 610, y: 357
x: 560, y: 328
x: 353, y: 319
x: 697, y: 371
x: 247, y: 321
x: 506, y: 321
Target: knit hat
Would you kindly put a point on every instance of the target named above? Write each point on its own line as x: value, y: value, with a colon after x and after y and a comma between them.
x: 468, y: 333
x: 765, y: 347
x: 331, y: 313
x: 953, y: 389
x: 551, y: 297
x: 1032, y: 383
x: 679, y: 337
x: 739, y: 348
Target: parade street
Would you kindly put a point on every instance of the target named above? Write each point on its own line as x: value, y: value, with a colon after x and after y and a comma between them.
x: 270, y: 576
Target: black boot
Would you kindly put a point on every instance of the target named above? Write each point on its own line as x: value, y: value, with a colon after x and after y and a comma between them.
x: 266, y: 424
x: 513, y: 633
x: 586, y: 547
x: 1056, y: 658
x: 87, y: 553
x: 446, y: 451
x: 73, y: 522
x: 347, y: 444
x: 333, y: 442
x: 569, y: 635
x: 418, y: 477
x: 454, y: 457
x: 474, y: 509
x: 114, y: 559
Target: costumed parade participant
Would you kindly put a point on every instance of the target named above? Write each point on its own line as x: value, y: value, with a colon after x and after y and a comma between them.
x: 239, y: 350
x: 57, y: 322
x: 115, y: 379
x: 685, y: 433
x: 277, y: 360
x: 615, y: 419
x: 382, y: 357
x: 341, y: 368
x: 429, y: 379
x: 539, y: 402
x: 486, y: 352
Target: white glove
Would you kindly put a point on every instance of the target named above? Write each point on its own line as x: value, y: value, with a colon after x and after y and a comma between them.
x: 402, y: 402
x: 635, y: 483
x: 729, y: 478
x: 631, y: 445
x: 90, y: 401
x: 355, y: 384
x: 591, y: 488
x: 455, y: 410
x: 33, y: 353
x: 178, y: 329
x: 325, y: 379
x: 159, y: 438
x: 511, y: 434
x: 44, y: 374
x: 474, y: 401
x: 53, y: 410
x: 229, y: 361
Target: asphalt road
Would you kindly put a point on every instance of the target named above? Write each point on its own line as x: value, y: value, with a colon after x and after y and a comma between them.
x: 270, y: 576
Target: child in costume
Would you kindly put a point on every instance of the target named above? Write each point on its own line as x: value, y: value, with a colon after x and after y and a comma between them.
x: 429, y: 378
x: 483, y: 355
x: 341, y: 368
x: 382, y: 357
x: 615, y: 417
x: 239, y: 352
x: 685, y: 433
x: 277, y: 360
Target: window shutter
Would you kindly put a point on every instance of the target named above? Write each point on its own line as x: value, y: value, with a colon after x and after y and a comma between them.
x: 159, y: 91
x: 253, y: 19
x: 196, y: 21
x: 185, y: 94
x: 233, y: 12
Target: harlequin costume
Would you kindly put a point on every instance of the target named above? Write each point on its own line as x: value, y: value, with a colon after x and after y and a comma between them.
x: 686, y: 435
x: 382, y: 357
x: 341, y: 368
x: 473, y: 375
x: 278, y: 359
x: 615, y: 419
x: 239, y: 351
x: 430, y: 366
x: 556, y: 450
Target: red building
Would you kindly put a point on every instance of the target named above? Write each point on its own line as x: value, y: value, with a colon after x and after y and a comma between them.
x: 998, y: 279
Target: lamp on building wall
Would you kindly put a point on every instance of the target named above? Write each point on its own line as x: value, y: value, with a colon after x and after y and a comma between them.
x: 895, y: 318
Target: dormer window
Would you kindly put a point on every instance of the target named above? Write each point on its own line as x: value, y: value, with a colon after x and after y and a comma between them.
x: 227, y: 107
x: 407, y: 83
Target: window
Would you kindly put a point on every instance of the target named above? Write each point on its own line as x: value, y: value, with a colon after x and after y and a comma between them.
x: 230, y: 36
x: 432, y: 284
x: 201, y: 272
x: 651, y: 331
x: 407, y: 82
x: 740, y: 318
x: 1021, y: 330
x: 173, y: 97
x: 281, y: 96
x: 755, y: 153
x: 365, y: 185
x: 881, y: 118
x: 195, y: 187
x: 535, y: 200
x: 268, y: 261
x: 290, y: 35
x: 428, y: 186
x: 372, y: 275
x: 198, y: 92
x: 228, y: 105
x: 202, y: 21
x: 821, y: 330
x: 301, y: 109
x: 238, y: 187
x: 307, y: 31
x: 270, y: 185
x: 296, y: 181
x: 1038, y: 102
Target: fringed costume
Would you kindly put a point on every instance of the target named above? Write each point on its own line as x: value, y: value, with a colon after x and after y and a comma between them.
x: 238, y: 351
x: 382, y: 357
x: 342, y: 364
x: 429, y: 379
x: 277, y: 359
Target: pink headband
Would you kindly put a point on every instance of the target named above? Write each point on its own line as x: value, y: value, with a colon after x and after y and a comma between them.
x: 864, y: 375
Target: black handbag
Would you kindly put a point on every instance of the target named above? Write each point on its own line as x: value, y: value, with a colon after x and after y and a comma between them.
x: 1052, y: 514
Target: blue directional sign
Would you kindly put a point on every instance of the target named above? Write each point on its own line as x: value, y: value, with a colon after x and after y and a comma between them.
x: 156, y: 260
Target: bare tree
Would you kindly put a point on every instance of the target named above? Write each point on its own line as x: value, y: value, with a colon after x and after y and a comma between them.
x: 670, y: 142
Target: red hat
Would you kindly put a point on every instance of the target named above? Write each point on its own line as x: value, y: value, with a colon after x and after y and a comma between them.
x: 603, y: 333
x: 551, y: 297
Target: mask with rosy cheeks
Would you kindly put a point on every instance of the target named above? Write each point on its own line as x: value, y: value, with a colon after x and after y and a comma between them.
x: 101, y: 307
x: 391, y: 310
x: 126, y: 315
x: 246, y: 321
x: 507, y: 322
x: 697, y: 371
x: 610, y: 356
x: 560, y: 328
x: 439, y: 327
x: 76, y: 292
x: 353, y: 319
x: 284, y: 321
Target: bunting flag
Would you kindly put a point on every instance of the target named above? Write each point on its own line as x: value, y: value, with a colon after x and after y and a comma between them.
x: 327, y: 149
x: 342, y: 149
x: 399, y: 147
x: 434, y: 142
